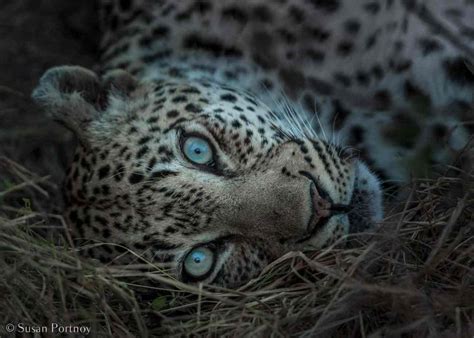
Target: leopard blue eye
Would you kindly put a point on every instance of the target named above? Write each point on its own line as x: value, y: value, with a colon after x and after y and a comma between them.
x: 199, y: 262
x: 198, y: 150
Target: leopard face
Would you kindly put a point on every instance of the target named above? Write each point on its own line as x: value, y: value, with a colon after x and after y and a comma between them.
x: 199, y: 178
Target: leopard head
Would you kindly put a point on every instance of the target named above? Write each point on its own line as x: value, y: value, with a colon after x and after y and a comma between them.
x: 202, y: 179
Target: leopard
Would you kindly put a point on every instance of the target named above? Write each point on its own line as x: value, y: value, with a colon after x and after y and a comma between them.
x: 215, y: 136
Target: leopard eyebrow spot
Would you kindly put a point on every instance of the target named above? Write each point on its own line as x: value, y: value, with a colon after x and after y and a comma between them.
x: 157, y: 175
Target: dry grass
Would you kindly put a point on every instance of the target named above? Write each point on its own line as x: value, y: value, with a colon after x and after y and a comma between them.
x: 412, y: 278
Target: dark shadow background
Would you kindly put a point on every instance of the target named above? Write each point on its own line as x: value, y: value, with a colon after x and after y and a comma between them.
x: 34, y: 36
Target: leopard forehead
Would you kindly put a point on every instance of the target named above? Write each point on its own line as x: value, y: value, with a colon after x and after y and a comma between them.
x: 156, y: 108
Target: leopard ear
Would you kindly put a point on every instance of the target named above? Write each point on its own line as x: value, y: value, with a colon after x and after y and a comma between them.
x: 119, y: 81
x: 76, y: 96
x: 69, y: 94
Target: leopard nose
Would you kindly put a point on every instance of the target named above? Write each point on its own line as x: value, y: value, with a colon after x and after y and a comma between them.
x: 320, y: 209
x: 322, y: 206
